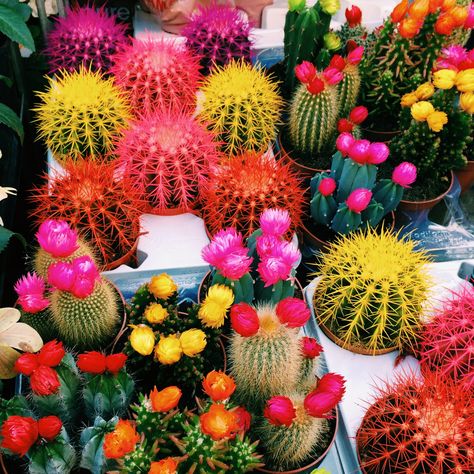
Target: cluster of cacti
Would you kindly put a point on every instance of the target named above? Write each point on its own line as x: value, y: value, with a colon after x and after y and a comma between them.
x: 85, y: 37
x: 81, y: 114
x: 217, y: 34
x: 168, y: 157
x: 418, y: 425
x: 245, y: 186
x: 447, y: 339
x: 274, y: 370
x: 157, y: 75
x: 348, y: 197
x: 240, y: 105
x: 98, y: 202
x: 352, y: 31
x: 372, y: 290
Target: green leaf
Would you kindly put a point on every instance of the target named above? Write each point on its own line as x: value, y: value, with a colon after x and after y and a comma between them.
x: 13, y: 18
x: 6, y: 80
x: 6, y: 235
x: 9, y: 118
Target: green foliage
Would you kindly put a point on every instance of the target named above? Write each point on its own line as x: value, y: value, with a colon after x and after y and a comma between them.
x: 9, y: 118
x: 13, y: 17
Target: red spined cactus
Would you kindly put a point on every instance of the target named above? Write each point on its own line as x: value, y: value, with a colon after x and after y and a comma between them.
x: 85, y: 37
x: 420, y: 426
x: 158, y: 75
x: 447, y: 340
x: 99, y: 202
x: 168, y: 157
x: 243, y: 187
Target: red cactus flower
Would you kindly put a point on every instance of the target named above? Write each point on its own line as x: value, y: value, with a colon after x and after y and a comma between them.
x: 44, y: 381
x: 51, y: 354
x: 19, y: 434
x: 345, y: 126
x: 280, y: 411
x: 92, y: 362
x: 244, y: 319
x: 353, y: 16
x: 293, y: 312
x: 310, y: 347
x: 26, y: 364
x: 327, y: 186
x: 244, y: 418
x: 359, y: 199
x: 49, y: 427
x: 115, y: 363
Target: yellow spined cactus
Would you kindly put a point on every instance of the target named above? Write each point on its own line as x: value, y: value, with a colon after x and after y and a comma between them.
x: 81, y: 114
x: 372, y: 290
x: 241, y: 105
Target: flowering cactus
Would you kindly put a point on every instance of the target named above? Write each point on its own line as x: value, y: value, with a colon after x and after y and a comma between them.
x: 352, y: 29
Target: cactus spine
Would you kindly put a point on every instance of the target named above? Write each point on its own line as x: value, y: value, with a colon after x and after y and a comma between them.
x: 349, y: 89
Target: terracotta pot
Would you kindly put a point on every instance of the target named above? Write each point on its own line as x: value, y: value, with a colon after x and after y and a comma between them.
x: 379, y: 135
x: 417, y: 206
x: 129, y: 257
x: 466, y: 176
x: 313, y: 464
x: 254, y: 9
x: 173, y: 211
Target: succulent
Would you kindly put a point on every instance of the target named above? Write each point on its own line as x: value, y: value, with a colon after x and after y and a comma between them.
x: 40, y: 322
x: 349, y: 89
x: 447, y: 339
x: 217, y: 34
x: 168, y: 157
x: 81, y: 114
x: 242, y: 188
x: 353, y: 29
x: 85, y: 37
x: 418, y: 425
x: 98, y: 203
x: 157, y: 75
x: 241, y: 106
x: 372, y: 290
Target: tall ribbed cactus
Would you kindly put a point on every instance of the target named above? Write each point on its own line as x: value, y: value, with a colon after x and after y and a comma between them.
x: 349, y: 90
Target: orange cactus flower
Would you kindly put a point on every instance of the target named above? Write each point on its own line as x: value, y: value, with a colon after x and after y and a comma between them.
x: 121, y: 441
x: 434, y: 5
x: 419, y: 9
x: 409, y: 28
x: 399, y: 11
x: 166, y: 399
x: 458, y: 14
x: 165, y: 466
x: 444, y: 24
x: 448, y: 4
x: 219, y: 423
x: 218, y: 385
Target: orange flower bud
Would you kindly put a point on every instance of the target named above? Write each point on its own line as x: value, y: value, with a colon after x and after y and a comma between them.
x: 434, y: 5
x: 219, y: 423
x: 419, y: 9
x: 448, y: 4
x: 121, y: 441
x: 444, y: 25
x: 218, y: 385
x: 165, y: 466
x: 409, y: 27
x: 166, y: 399
x: 459, y: 15
x: 399, y: 11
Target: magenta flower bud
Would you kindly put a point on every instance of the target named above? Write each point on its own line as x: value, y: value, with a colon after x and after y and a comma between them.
x: 355, y: 56
x: 293, y: 312
x: 333, y: 76
x: 61, y: 275
x: 359, y: 151
x: 82, y: 287
x: 327, y: 186
x: 358, y: 114
x: 30, y: 289
x: 84, y: 267
x: 244, y: 319
x: 275, y: 221
x: 57, y: 238
x: 359, y: 199
x: 326, y: 396
x: 344, y: 143
x: 378, y: 153
x: 404, y: 174
x: 280, y: 411
x: 305, y: 72
x: 310, y: 347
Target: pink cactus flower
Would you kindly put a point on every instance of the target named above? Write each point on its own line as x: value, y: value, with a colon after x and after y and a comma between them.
x: 293, y: 312
x: 359, y: 199
x: 61, y: 275
x: 266, y: 243
x: 244, y: 320
x: 378, y: 153
x: 359, y: 151
x: 315, y: 86
x: 82, y: 287
x: 305, y: 72
x: 333, y: 383
x: 344, y: 143
x: 455, y: 54
x: 337, y: 62
x: 333, y: 76
x: 319, y: 402
x: 404, y: 174
x: 310, y: 347
x: 85, y: 267
x: 30, y: 289
x: 278, y: 265
x: 355, y: 56
x: 358, y: 114
x: 469, y: 23
x: 275, y: 221
x: 57, y: 238
x: 327, y: 186
x: 280, y: 411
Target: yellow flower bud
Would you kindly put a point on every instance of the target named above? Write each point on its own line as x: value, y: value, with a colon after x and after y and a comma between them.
x: 142, y: 339
x: 296, y: 5
x: 465, y: 80
x: 409, y: 99
x: 168, y: 350
x: 332, y: 42
x: 421, y: 110
x: 330, y: 7
x: 437, y: 120
x: 425, y: 91
x: 155, y: 313
x: 214, y: 308
x: 162, y: 286
x: 193, y: 341
x: 466, y: 101
x: 444, y: 78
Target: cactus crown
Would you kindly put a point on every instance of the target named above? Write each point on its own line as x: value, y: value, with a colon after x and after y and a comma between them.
x: 217, y: 34
x: 81, y: 114
x: 372, y: 290
x: 241, y: 106
x: 85, y: 37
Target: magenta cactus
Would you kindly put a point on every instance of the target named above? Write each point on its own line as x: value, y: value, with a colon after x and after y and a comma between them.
x: 85, y: 37
x: 158, y: 75
x: 447, y: 341
x: 218, y: 34
x: 168, y: 156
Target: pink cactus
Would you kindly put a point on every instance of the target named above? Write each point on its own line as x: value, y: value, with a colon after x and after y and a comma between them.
x: 85, y: 37
x: 30, y: 289
x: 57, y: 238
x: 168, y: 156
x: 158, y: 75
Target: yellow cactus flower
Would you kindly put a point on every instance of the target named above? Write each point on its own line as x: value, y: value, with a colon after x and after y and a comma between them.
x: 168, y: 350
x: 162, y: 286
x: 466, y: 101
x: 444, y: 78
x: 425, y: 91
x: 193, y: 342
x: 409, y: 99
x: 214, y: 308
x: 437, y: 120
x: 330, y: 7
x: 332, y: 42
x: 465, y: 80
x: 421, y: 110
x: 155, y: 313
x: 142, y: 339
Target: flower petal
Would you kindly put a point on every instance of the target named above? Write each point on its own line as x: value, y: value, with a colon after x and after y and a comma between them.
x: 8, y: 357
x: 23, y: 337
x: 8, y: 317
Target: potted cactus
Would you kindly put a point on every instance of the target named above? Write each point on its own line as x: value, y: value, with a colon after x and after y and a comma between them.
x: 370, y: 296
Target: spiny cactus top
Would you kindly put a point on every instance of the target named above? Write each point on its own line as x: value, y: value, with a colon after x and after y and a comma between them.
x: 81, y: 114
x: 85, y: 37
